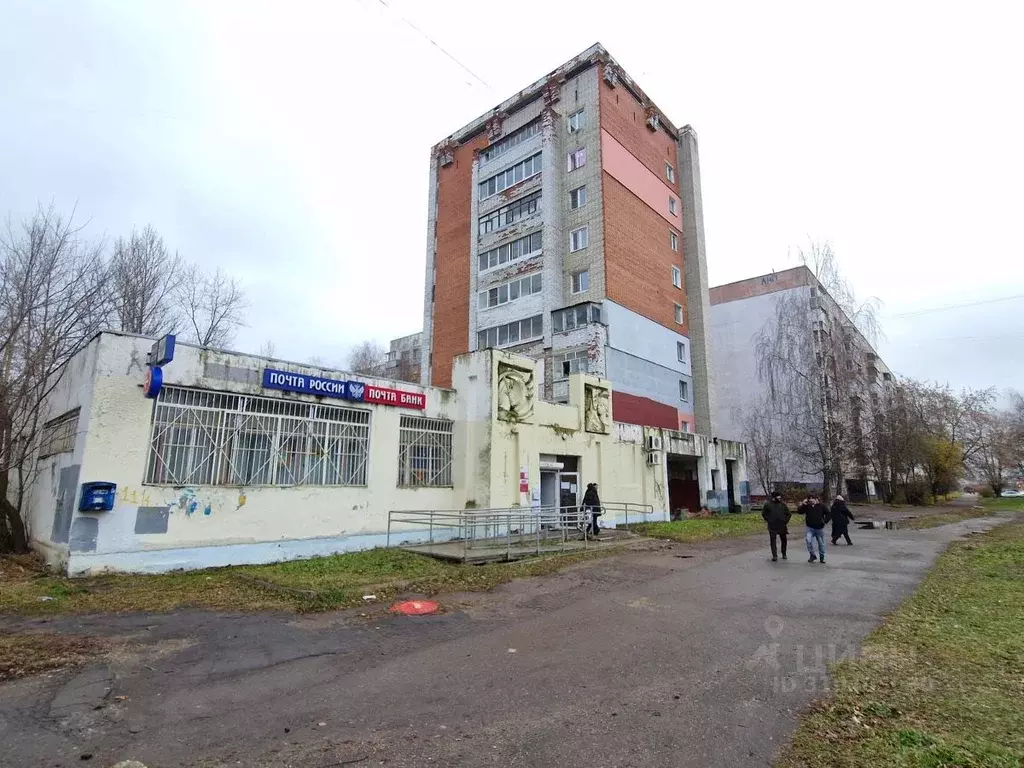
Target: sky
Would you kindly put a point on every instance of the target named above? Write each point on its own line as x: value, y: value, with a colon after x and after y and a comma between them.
x: 288, y: 143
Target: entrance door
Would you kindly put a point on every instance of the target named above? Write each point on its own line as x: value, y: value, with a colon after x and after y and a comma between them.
x: 548, y: 489
x: 568, y: 489
x: 730, y: 484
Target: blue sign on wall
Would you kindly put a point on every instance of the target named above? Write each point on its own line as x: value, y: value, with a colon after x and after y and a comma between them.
x: 312, y: 385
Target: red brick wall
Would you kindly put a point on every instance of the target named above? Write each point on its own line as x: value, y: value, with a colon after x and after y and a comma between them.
x: 632, y: 409
x: 450, y: 332
x: 757, y: 286
x: 639, y: 259
x: 625, y: 119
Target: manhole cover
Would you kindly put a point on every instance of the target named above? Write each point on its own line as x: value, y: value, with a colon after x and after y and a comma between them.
x: 415, y: 607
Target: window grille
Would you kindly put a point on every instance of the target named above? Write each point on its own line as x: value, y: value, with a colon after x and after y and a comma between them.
x: 424, y: 452
x: 216, y: 438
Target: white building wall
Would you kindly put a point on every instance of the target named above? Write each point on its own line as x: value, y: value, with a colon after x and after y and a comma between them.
x: 642, y: 358
x: 220, y: 525
x: 735, y: 326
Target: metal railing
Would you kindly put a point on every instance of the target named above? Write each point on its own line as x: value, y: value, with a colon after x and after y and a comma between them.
x: 489, y: 533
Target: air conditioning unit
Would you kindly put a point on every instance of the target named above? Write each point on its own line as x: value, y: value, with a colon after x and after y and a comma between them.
x: 653, y: 459
x: 654, y: 443
x: 652, y: 122
x: 446, y: 158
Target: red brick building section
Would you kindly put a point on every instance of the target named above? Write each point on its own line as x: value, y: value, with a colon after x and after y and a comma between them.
x: 625, y: 119
x: 450, y: 330
x: 638, y: 258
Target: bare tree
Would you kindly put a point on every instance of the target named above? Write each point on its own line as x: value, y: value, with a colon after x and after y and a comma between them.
x: 213, y: 306
x: 999, y: 453
x: 268, y: 349
x: 764, y: 443
x: 54, y: 296
x: 145, y: 278
x: 812, y: 356
x: 368, y: 358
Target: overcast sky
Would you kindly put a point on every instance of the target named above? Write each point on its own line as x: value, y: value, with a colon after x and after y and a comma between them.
x: 288, y: 142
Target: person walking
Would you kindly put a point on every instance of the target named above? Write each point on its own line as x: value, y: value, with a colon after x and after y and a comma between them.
x: 815, y: 515
x: 592, y: 504
x: 776, y: 514
x: 841, y: 517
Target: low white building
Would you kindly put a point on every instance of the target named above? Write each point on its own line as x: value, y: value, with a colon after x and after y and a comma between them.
x: 242, y: 459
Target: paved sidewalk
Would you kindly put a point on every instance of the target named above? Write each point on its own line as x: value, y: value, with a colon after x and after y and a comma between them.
x: 687, y: 656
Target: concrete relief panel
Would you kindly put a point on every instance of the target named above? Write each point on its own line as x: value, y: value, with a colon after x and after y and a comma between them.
x: 517, y: 393
x: 597, y: 409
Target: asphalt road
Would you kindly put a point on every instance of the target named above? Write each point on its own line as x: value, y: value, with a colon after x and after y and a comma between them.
x: 680, y: 656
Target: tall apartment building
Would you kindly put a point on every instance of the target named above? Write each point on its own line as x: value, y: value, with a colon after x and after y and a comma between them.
x: 566, y: 224
x: 739, y: 313
x: 404, y: 360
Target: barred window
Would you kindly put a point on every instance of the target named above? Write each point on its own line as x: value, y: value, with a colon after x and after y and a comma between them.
x: 424, y: 452
x: 217, y: 438
x: 59, y: 434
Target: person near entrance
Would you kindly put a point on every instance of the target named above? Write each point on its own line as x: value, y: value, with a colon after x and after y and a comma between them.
x: 841, y: 517
x: 815, y: 515
x: 592, y: 505
x: 776, y: 514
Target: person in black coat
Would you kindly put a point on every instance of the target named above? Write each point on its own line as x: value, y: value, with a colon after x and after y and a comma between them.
x: 841, y: 517
x: 776, y: 514
x: 592, y: 504
x: 816, y: 515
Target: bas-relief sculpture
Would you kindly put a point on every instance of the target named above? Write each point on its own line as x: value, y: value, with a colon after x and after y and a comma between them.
x: 597, y: 410
x: 516, y: 393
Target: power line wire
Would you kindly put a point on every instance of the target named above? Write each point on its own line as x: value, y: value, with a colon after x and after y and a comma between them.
x: 434, y: 43
x: 957, y: 306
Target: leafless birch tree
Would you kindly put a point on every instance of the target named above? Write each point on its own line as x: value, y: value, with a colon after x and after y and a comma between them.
x: 213, y: 306
x: 54, y: 296
x: 368, y: 358
x: 146, y: 279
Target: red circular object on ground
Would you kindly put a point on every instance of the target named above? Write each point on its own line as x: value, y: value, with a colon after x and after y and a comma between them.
x: 415, y: 607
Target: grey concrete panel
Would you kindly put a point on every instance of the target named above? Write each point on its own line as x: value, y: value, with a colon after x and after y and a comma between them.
x: 84, y: 531
x: 67, y: 494
x: 151, y: 520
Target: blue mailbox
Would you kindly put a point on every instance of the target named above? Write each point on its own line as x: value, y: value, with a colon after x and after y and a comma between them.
x: 97, y: 497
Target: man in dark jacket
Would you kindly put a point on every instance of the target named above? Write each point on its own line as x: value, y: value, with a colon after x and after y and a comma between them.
x: 592, y: 504
x: 776, y: 514
x: 841, y: 517
x: 815, y: 515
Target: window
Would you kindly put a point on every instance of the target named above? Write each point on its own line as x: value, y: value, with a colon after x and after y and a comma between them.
x: 685, y: 426
x: 684, y: 391
x: 578, y: 198
x: 577, y: 159
x: 575, y: 317
x: 517, y: 332
x: 581, y: 281
x: 673, y: 241
x: 681, y: 351
x: 522, y: 248
x: 568, y: 363
x: 578, y: 239
x: 576, y: 122
x: 670, y: 172
x: 526, y: 169
x: 508, y: 214
x: 215, y: 438
x: 679, y: 314
x: 424, y: 452
x: 672, y: 205
x: 59, y: 435
x: 510, y: 141
x: 677, y: 277
x: 502, y: 294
